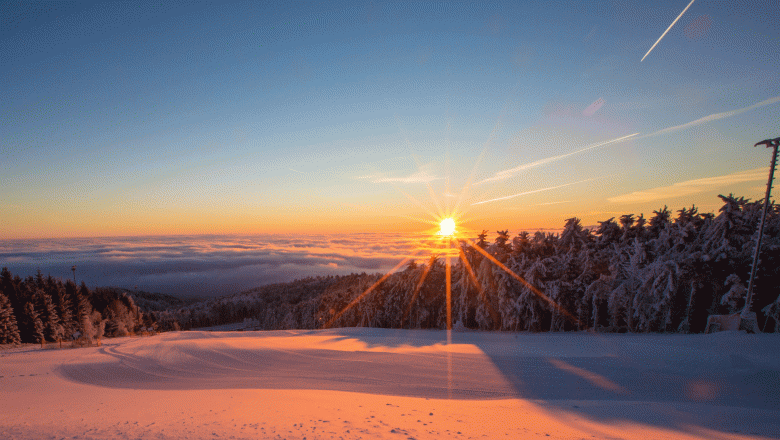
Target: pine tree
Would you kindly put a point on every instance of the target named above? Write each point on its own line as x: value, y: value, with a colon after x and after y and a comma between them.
x: 659, y: 222
x: 772, y: 311
x: 65, y: 311
x: 573, y: 238
x: 49, y: 317
x: 84, y: 311
x: 9, y: 331
x: 35, y: 323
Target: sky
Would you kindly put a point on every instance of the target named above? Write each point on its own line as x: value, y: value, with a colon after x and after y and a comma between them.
x: 189, y: 118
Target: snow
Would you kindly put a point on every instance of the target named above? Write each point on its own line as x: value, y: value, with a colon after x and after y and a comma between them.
x: 396, y: 384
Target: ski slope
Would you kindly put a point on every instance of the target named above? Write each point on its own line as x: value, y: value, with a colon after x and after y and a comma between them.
x: 396, y: 384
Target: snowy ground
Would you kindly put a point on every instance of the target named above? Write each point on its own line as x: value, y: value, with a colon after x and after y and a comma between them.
x: 396, y: 384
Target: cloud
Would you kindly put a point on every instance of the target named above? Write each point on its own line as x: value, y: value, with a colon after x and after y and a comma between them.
x: 422, y: 175
x: 207, y: 265
x: 716, y: 116
x: 689, y: 187
x: 418, y: 177
x: 553, y: 203
x: 506, y: 174
x: 594, y: 107
x: 529, y: 192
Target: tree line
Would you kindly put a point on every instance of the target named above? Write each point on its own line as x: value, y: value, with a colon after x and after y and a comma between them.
x: 37, y: 309
x: 630, y: 274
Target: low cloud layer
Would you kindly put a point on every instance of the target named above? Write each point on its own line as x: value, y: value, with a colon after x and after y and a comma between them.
x: 208, y: 265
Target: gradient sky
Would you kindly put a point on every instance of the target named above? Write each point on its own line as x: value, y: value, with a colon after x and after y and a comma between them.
x: 135, y: 118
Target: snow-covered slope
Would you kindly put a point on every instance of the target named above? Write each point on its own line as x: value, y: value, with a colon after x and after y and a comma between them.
x: 378, y: 383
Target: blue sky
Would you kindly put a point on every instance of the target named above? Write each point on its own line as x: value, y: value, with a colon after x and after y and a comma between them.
x: 134, y: 118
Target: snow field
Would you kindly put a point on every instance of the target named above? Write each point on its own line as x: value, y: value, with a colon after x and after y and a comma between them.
x: 396, y: 384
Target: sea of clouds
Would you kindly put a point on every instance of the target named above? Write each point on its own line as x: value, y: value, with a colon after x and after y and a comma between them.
x: 210, y: 265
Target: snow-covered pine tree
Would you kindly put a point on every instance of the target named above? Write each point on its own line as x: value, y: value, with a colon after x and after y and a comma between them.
x: 84, y: 313
x: 608, y: 233
x: 465, y: 289
x: 35, y: 323
x: 772, y: 311
x: 659, y: 232
x: 487, y: 312
x: 9, y: 330
x: 626, y: 226
x: 655, y: 297
x: 48, y: 314
x: 65, y: 310
x: 573, y: 237
x: 534, y: 312
x: 97, y: 326
x: 735, y: 296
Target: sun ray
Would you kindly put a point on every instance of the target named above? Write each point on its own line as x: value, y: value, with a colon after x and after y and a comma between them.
x: 418, y: 287
x: 459, y: 218
x: 473, y: 276
x: 368, y: 291
x: 594, y: 378
x: 408, y: 196
x: 417, y: 219
x: 413, y: 199
x: 430, y: 188
x: 533, y: 289
x: 470, y: 271
x: 408, y: 217
x: 493, y: 133
x: 447, y: 163
x: 419, y: 165
x: 467, y: 185
x: 448, y: 277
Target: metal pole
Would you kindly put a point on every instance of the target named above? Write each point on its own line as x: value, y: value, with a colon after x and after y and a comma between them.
x: 749, y: 300
x: 74, y: 275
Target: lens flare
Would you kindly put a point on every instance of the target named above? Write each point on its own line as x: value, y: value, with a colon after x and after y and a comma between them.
x: 447, y: 227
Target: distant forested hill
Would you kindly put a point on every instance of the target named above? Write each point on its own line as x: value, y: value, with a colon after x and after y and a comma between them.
x: 149, y: 302
x: 662, y: 274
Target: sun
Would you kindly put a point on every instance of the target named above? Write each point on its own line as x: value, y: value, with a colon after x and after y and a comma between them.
x: 447, y: 227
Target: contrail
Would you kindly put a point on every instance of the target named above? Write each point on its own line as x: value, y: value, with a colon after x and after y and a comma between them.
x: 506, y: 174
x: 530, y: 192
x: 716, y: 116
x: 667, y: 30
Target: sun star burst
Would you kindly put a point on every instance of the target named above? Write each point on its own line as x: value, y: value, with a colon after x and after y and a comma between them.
x: 447, y: 227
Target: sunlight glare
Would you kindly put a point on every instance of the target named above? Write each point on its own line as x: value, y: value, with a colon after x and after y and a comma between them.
x: 447, y: 227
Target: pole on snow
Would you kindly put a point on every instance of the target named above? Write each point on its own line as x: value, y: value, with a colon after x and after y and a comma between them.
x: 746, y: 319
x: 774, y: 143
